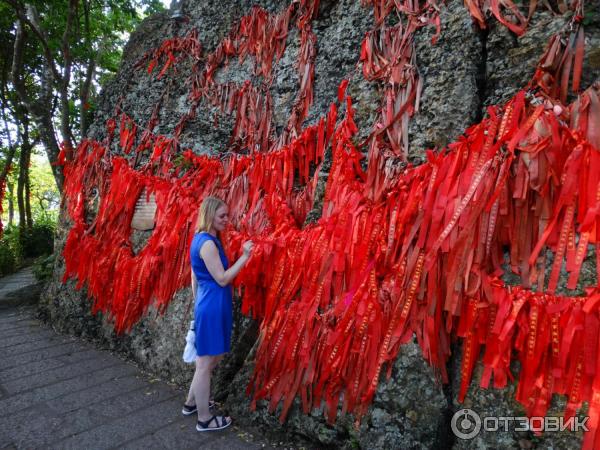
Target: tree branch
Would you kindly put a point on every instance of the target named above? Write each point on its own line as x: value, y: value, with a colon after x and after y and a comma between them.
x: 11, y: 147
x: 89, y: 74
x: 31, y: 18
x: 17, y: 64
x: 65, y: 115
x: 39, y: 110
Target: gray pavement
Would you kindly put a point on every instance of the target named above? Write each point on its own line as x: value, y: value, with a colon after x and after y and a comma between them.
x: 19, y: 288
x: 16, y: 281
x: 60, y: 392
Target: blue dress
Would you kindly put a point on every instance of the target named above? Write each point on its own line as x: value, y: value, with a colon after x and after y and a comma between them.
x: 213, y: 314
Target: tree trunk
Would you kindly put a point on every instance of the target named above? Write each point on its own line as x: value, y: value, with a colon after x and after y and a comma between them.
x: 11, y: 203
x: 63, y: 84
x: 23, y: 181
x: 43, y: 119
x: 84, y: 114
x: 20, y: 189
x: 7, y: 165
x: 38, y: 108
x: 48, y: 138
x: 28, y: 217
x: 12, y: 146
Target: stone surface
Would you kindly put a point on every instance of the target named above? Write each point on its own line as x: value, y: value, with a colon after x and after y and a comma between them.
x: 467, y: 70
x: 98, y: 402
x: 451, y: 97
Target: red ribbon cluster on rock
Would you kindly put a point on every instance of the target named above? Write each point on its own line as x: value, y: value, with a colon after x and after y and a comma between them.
x: 418, y: 251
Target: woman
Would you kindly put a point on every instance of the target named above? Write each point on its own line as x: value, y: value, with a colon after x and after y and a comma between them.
x: 211, y: 276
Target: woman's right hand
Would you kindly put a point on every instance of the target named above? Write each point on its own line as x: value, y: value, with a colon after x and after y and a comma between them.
x: 247, y: 247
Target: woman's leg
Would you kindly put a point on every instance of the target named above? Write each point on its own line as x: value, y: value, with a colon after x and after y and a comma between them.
x: 200, y: 387
x: 191, y: 399
x: 201, y: 392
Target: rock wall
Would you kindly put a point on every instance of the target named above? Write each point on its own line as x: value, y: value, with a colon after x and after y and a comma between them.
x: 467, y: 70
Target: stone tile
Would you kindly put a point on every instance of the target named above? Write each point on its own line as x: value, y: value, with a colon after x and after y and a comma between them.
x: 125, y: 428
x: 33, y: 397
x: 103, y: 392
x: 180, y: 435
x: 67, y: 372
x: 85, y: 353
x: 74, y: 414
x: 17, y: 360
x: 19, y: 312
x: 25, y: 336
x: 36, y: 345
x: 19, y: 331
x: 29, y: 369
x: 10, y: 316
x: 22, y: 425
x: 134, y: 401
x: 63, y: 421
x: 5, y: 444
x: 232, y: 442
x: 17, y: 326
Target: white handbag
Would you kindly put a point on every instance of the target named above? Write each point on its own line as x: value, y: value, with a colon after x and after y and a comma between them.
x: 189, y: 352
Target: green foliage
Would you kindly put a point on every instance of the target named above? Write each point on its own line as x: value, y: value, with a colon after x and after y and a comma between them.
x: 17, y: 247
x: 182, y: 163
x: 99, y: 33
x: 10, y: 250
x: 11, y: 238
x: 37, y: 241
x: 8, y: 261
x: 43, y: 267
x: 45, y: 197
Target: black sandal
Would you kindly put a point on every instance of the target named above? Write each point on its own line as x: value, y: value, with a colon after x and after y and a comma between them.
x: 188, y: 410
x: 204, y: 426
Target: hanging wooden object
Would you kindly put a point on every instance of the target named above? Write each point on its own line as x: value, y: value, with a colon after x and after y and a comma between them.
x: 145, y: 212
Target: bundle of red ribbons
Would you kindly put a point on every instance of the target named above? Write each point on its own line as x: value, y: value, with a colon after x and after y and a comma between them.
x: 419, y: 254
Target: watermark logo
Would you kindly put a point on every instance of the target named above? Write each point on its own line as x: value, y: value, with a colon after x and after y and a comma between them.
x: 467, y: 424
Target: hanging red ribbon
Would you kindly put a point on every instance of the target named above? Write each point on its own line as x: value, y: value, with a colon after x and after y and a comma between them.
x: 398, y: 251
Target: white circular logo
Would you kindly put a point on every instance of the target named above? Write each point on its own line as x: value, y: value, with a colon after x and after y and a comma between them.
x: 465, y: 424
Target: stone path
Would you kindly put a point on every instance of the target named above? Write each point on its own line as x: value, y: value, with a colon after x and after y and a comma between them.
x: 19, y: 288
x: 59, y: 392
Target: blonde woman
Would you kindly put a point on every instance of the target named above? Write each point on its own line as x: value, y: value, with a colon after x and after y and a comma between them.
x: 211, y: 278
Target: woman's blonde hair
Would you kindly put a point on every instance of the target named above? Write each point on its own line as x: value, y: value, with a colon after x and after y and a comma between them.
x: 208, y: 211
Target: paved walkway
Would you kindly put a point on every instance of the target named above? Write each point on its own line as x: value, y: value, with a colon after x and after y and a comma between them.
x: 59, y: 392
x: 19, y: 288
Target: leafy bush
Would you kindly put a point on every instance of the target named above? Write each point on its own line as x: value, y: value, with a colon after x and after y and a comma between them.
x: 17, y: 248
x: 11, y: 237
x: 39, y: 240
x: 8, y: 261
x: 43, y: 267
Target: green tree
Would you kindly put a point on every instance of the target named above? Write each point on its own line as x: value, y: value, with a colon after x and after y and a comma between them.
x: 45, y: 197
x: 58, y: 53
x: 43, y: 194
x: 55, y: 57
